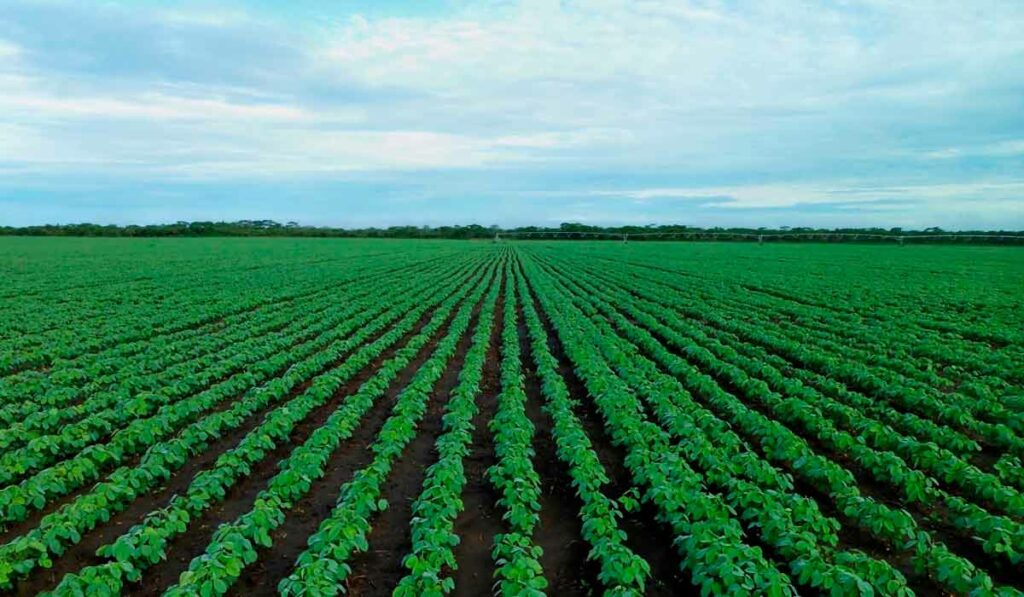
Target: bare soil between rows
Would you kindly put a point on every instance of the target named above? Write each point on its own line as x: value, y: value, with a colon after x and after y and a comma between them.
x: 184, y: 547
x: 379, y: 570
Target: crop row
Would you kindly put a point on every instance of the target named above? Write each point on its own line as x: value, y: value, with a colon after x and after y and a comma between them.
x: 125, y: 484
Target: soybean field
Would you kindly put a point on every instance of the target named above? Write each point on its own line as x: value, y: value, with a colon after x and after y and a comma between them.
x: 312, y: 417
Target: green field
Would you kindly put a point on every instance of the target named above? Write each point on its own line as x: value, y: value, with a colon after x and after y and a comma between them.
x: 315, y: 416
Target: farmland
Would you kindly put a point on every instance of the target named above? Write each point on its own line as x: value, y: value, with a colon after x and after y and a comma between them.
x: 311, y: 417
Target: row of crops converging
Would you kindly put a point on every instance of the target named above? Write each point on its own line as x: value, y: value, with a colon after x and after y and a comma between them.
x: 318, y: 417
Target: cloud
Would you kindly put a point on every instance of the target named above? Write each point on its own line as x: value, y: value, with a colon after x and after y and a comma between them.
x: 148, y: 106
x: 979, y: 195
x: 728, y: 107
x: 1001, y: 149
x: 8, y: 50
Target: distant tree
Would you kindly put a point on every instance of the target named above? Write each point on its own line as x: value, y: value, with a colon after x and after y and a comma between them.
x: 576, y: 231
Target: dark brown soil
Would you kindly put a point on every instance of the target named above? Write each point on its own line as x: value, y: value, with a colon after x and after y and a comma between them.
x: 850, y: 537
x: 564, y: 560
x: 379, y: 570
x: 952, y: 537
x: 34, y: 518
x: 480, y: 519
x: 83, y: 553
x: 987, y: 457
x: 646, y: 536
x: 290, y: 539
x: 307, y: 514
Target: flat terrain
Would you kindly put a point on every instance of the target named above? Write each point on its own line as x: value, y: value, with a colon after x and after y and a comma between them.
x: 311, y: 416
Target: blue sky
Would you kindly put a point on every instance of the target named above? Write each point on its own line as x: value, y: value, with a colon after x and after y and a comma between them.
x: 769, y: 113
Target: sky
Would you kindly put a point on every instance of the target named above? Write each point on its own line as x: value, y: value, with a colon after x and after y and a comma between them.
x: 373, y: 113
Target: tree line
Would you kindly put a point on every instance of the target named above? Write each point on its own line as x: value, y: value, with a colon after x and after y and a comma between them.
x: 568, y: 230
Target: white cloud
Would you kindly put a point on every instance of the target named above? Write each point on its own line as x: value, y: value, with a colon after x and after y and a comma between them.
x: 842, y: 104
x: 240, y: 151
x: 563, y: 139
x: 8, y: 50
x: 1000, y: 149
x: 284, y: 153
x: 151, y: 106
x: 849, y: 194
x: 695, y: 86
x: 688, y: 53
x: 287, y: 152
